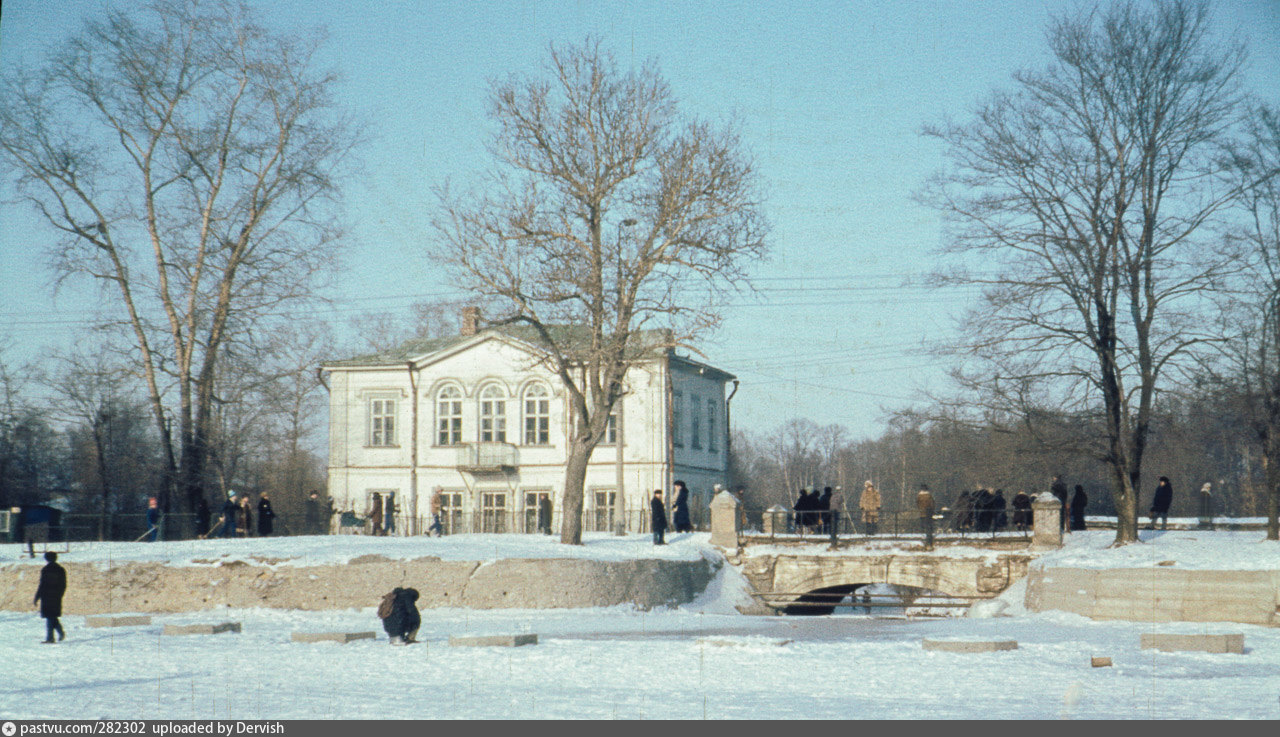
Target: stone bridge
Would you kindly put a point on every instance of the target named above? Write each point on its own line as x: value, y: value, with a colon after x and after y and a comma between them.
x: 776, y: 575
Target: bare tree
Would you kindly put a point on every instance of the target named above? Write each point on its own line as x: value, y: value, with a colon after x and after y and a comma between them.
x: 186, y: 157
x: 605, y: 213
x: 1082, y: 198
x: 1255, y: 309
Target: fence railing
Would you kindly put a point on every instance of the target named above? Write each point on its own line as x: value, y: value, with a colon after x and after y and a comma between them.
x: 817, y: 524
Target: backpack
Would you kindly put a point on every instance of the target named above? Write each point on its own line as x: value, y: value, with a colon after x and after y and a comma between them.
x: 388, y: 603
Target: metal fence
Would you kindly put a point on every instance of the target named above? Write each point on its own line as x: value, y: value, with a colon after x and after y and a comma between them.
x: 785, y: 524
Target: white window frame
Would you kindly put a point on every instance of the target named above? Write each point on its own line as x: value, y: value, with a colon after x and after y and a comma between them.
x: 449, y: 415
x: 536, y: 428
x: 493, y: 414
x: 382, y: 422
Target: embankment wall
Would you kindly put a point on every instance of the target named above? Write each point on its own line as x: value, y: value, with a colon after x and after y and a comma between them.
x: 509, y: 583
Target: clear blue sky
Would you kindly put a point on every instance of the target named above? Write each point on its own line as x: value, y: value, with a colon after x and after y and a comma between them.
x: 830, y: 97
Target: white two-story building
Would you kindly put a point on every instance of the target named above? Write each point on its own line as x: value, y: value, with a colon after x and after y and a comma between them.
x: 482, y: 417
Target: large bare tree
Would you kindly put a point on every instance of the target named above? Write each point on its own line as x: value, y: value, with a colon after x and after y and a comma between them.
x: 605, y: 212
x: 187, y: 158
x: 1083, y: 201
x: 1255, y: 308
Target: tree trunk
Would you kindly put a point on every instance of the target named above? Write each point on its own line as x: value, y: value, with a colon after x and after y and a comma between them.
x: 1271, y: 467
x: 575, y: 478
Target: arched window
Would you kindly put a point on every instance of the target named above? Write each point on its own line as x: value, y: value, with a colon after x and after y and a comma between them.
x: 537, y: 415
x: 449, y: 416
x: 493, y: 414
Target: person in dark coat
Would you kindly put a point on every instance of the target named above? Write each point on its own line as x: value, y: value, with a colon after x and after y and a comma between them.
x: 1022, y: 511
x: 1059, y: 489
x: 53, y: 584
x: 245, y: 528
x: 312, y: 513
x: 153, y: 520
x: 404, y: 620
x: 230, y: 515
x: 680, y: 509
x: 982, y: 510
x: 266, y: 516
x: 658, y: 516
x: 963, y: 520
x: 999, y: 512
x: 1160, y: 504
x: 544, y: 514
x: 801, y: 509
x: 375, y: 515
x: 202, y: 516
x: 824, y: 511
x: 1079, y: 501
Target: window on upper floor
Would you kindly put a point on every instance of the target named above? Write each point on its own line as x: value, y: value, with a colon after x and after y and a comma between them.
x: 695, y: 421
x: 611, y: 429
x: 713, y: 429
x: 382, y: 422
x: 677, y: 419
x: 493, y: 414
x: 537, y: 415
x: 449, y: 416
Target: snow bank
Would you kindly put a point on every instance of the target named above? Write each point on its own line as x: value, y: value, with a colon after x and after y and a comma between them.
x: 313, y: 550
x: 1187, y: 549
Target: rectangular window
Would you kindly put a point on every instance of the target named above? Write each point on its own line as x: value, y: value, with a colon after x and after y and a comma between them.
x: 493, y: 421
x: 537, y: 419
x: 537, y: 511
x: 449, y: 418
x: 603, y: 513
x: 695, y: 421
x: 713, y: 434
x: 677, y: 418
x: 382, y: 422
x: 611, y: 430
x: 451, y: 512
x: 493, y: 511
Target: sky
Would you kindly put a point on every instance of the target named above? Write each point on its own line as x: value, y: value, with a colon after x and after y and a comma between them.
x: 830, y: 98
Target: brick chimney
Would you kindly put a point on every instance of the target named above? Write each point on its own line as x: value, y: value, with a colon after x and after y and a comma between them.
x: 470, y: 320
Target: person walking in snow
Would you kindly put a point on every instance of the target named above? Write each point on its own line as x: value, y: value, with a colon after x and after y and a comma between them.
x: 1160, y: 504
x: 400, y: 617
x: 1021, y: 511
x: 266, y: 516
x: 153, y: 520
x: 246, y: 516
x: 658, y: 517
x: 230, y: 515
x: 311, y: 516
x: 925, y: 506
x: 1059, y: 489
x: 53, y: 584
x: 1079, y: 501
x: 375, y: 514
x: 680, y: 509
x: 437, y: 504
x: 869, y: 503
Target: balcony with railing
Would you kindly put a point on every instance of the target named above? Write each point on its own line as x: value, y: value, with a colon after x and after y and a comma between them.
x: 487, y: 457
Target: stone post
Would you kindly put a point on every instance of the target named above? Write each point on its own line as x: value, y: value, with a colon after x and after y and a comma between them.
x: 775, y: 520
x: 1046, y: 522
x: 724, y: 520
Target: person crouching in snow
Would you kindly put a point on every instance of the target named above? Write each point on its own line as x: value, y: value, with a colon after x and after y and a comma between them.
x: 399, y: 613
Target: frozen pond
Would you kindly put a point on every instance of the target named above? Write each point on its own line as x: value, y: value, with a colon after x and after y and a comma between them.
x: 621, y: 663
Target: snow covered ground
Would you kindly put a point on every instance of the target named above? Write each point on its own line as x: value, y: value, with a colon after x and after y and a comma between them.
x: 700, y: 660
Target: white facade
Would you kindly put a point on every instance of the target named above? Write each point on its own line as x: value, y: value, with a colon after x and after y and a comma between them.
x: 481, y: 418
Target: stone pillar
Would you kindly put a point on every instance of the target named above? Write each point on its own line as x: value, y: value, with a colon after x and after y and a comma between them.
x: 1046, y: 522
x: 724, y: 520
x: 775, y: 520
